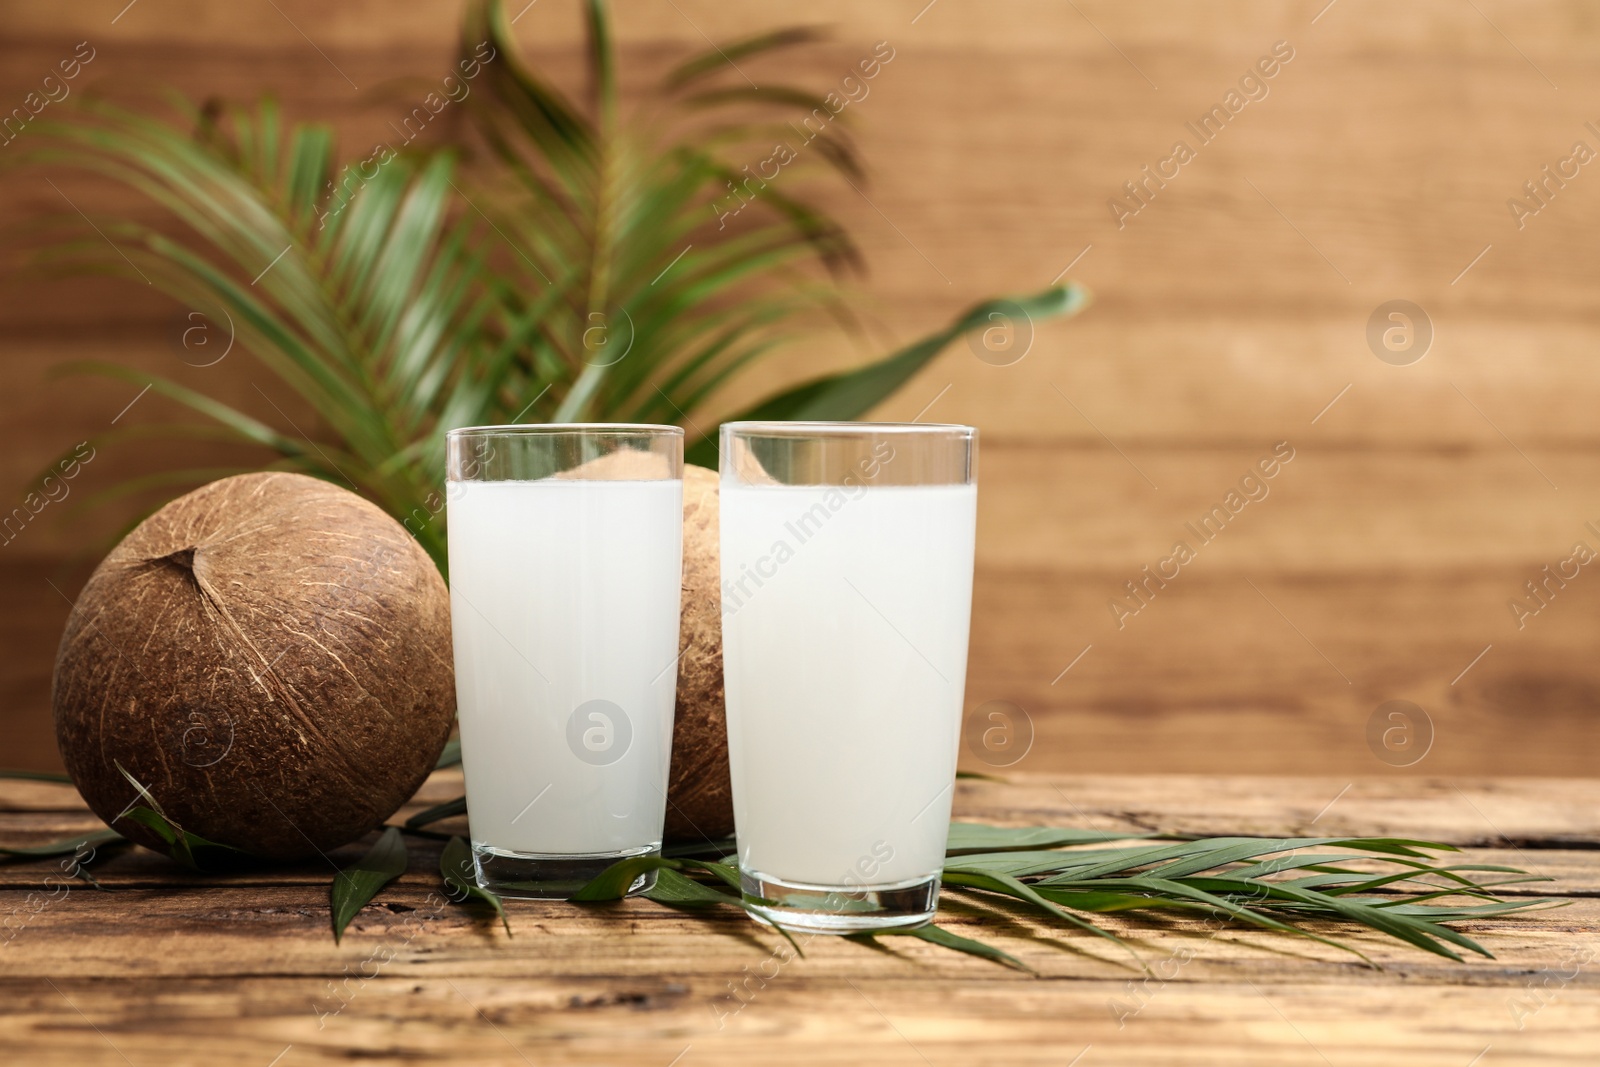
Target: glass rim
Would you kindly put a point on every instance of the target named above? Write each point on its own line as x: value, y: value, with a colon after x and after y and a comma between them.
x: 953, y: 430
x: 552, y: 429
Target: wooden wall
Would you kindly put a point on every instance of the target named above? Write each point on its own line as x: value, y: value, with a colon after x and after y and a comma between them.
x: 1229, y: 312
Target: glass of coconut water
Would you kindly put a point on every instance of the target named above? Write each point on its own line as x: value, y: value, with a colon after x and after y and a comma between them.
x: 566, y: 560
x: 847, y: 555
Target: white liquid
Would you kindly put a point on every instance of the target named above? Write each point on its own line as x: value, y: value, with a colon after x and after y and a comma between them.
x: 844, y: 628
x: 564, y: 592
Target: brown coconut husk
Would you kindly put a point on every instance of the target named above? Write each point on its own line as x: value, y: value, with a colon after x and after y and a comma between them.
x: 270, y: 656
x: 700, y: 796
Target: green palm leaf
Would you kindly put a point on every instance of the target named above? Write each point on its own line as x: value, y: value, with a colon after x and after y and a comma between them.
x: 1061, y: 877
x: 609, y: 263
x: 851, y: 394
x: 363, y: 297
x: 622, y: 225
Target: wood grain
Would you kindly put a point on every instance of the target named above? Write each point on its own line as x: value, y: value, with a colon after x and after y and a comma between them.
x: 166, y: 967
x: 1229, y: 313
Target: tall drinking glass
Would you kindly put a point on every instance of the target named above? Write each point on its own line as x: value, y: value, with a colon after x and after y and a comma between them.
x: 847, y: 591
x: 566, y: 560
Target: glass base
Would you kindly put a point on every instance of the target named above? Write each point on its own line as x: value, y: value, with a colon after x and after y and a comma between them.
x: 836, y: 909
x: 545, y: 876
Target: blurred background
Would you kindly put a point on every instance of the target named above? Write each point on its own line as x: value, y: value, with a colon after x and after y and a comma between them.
x: 1443, y: 448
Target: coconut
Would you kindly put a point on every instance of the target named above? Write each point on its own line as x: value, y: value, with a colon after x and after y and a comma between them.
x: 270, y: 656
x: 700, y: 796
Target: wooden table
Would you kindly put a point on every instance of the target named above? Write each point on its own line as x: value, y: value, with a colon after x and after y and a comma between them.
x: 170, y: 968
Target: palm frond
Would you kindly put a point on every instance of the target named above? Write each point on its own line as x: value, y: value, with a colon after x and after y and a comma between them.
x: 365, y: 297
x: 851, y: 394
x: 719, y: 58
x: 637, y: 249
x: 652, y: 232
x: 612, y: 264
x: 1063, y: 876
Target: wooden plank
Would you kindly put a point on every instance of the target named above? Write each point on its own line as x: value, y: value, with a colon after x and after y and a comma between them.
x: 1209, y: 677
x: 1174, y: 690
x: 1327, y: 511
x: 1392, y: 544
x: 795, y: 1020
x: 1331, y: 509
x: 1215, y: 673
x: 244, y: 972
x: 1392, y: 141
x: 1533, y: 814
x: 1568, y: 872
x: 282, y: 931
x: 1021, y: 102
x: 1501, y: 812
